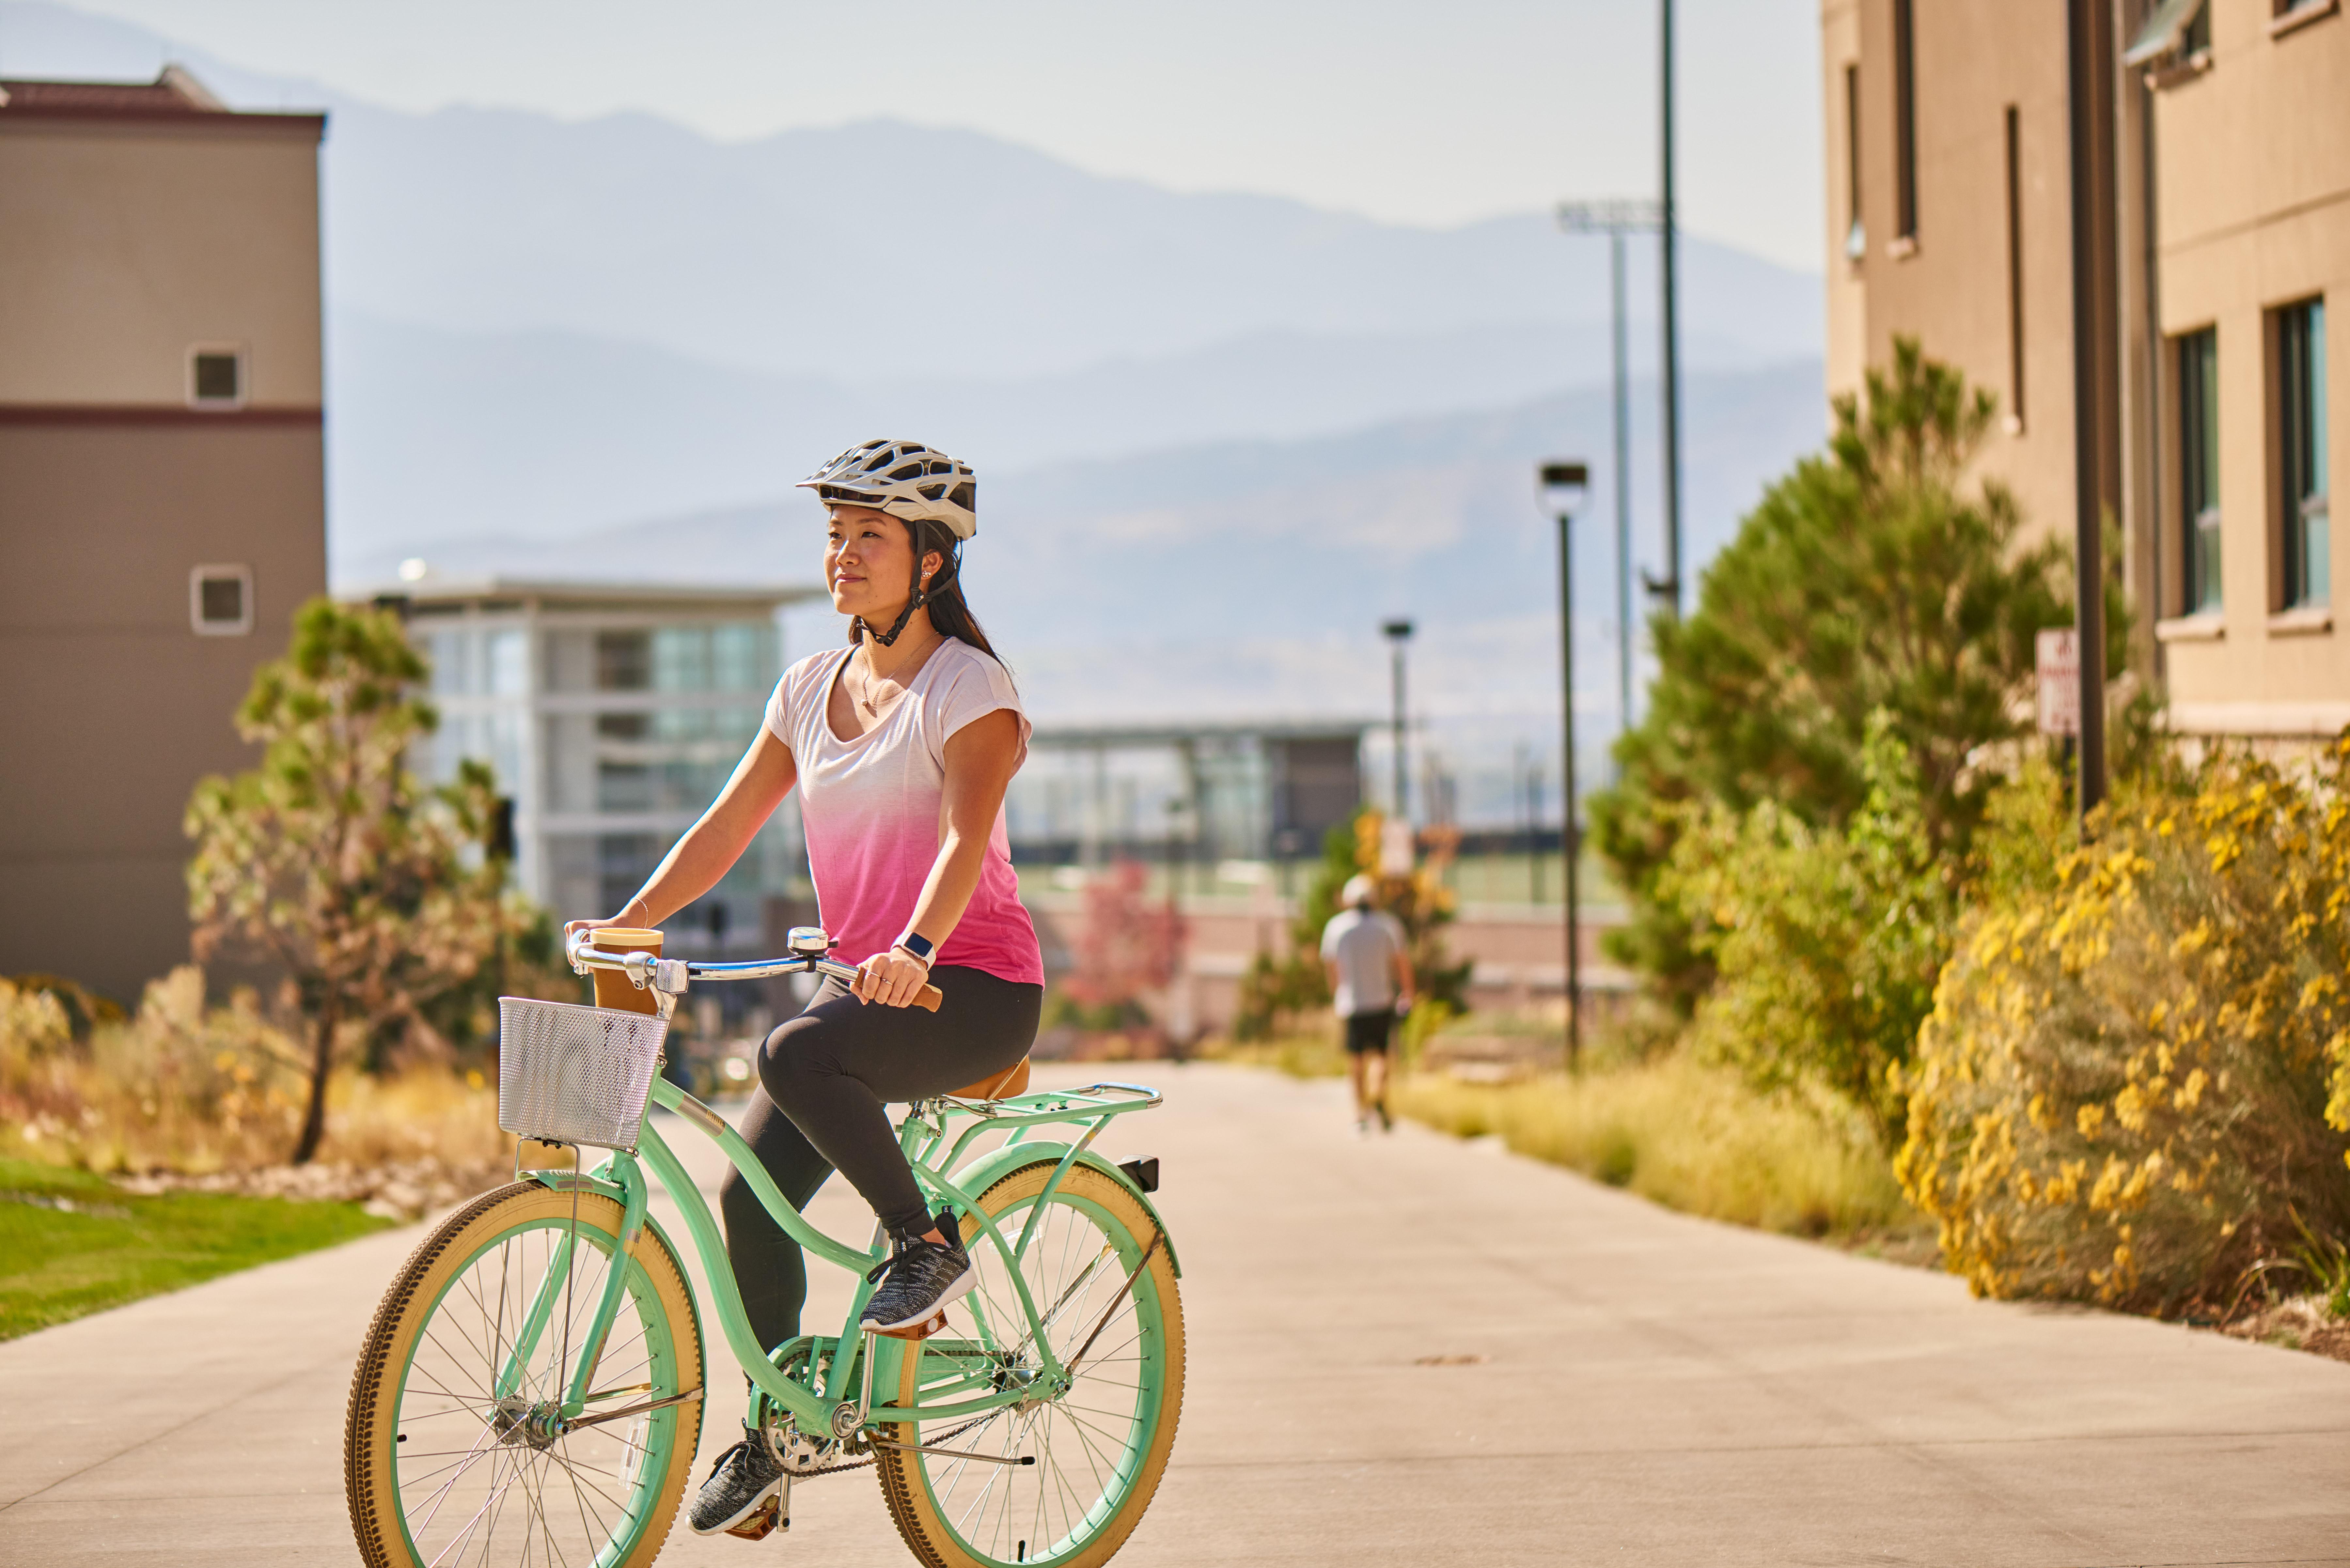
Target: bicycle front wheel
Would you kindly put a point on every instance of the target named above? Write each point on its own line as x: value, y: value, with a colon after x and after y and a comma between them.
x: 1108, y: 1300
x: 454, y: 1448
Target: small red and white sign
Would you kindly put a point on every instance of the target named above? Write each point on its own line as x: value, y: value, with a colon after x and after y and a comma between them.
x: 2058, y: 656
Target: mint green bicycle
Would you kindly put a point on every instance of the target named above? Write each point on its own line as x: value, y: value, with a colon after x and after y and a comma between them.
x: 532, y: 1388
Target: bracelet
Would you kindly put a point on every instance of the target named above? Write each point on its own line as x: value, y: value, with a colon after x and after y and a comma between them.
x: 632, y: 903
x: 918, y: 946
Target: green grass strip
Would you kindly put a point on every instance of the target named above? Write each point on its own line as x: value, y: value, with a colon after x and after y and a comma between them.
x: 73, y: 1243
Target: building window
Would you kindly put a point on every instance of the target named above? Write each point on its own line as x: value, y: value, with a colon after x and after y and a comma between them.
x: 216, y: 376
x: 2174, y: 41
x: 220, y: 600
x: 506, y: 663
x: 2014, y: 270
x: 2195, y: 39
x: 1856, y: 238
x: 623, y: 726
x: 1905, y: 124
x: 2301, y: 451
x: 624, y: 661
x: 2198, y: 470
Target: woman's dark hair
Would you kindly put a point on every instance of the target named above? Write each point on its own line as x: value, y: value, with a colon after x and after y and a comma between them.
x: 950, y: 611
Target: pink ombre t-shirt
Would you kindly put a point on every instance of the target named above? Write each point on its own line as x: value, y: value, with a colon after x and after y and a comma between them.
x: 874, y: 808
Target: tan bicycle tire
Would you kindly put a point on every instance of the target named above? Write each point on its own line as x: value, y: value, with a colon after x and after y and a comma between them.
x: 911, y: 1506
x: 367, y: 1480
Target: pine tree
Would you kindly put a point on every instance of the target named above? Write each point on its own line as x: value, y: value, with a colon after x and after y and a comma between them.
x: 331, y: 862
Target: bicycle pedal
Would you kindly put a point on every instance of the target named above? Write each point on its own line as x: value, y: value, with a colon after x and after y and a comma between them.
x: 764, y: 1520
x: 937, y: 1325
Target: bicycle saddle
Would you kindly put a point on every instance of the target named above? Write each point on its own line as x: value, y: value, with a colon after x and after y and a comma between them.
x: 1012, y: 1080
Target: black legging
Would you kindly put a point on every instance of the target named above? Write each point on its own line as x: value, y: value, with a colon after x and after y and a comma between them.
x: 826, y: 1078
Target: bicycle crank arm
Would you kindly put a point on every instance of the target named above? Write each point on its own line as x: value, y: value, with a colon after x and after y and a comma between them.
x: 645, y: 1409
x: 950, y: 1453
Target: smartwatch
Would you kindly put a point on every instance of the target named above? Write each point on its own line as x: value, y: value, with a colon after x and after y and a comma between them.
x: 921, y: 946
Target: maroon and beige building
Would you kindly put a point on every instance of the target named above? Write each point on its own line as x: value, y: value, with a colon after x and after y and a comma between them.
x: 163, y: 506
x: 2216, y: 222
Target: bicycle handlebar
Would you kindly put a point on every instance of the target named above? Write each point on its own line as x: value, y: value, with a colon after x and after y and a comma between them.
x: 673, y: 975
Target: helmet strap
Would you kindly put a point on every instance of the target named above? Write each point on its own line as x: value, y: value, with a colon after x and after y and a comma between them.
x: 914, y: 601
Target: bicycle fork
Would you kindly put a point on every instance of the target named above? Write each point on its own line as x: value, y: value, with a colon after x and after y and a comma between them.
x: 555, y: 1288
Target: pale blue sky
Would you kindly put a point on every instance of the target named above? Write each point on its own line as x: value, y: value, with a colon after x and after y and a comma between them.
x: 1416, y: 112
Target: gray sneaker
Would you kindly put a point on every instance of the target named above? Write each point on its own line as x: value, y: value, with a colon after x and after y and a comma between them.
x: 745, y: 1476
x: 920, y: 1277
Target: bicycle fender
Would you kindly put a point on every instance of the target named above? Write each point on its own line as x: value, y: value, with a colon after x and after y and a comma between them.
x: 564, y: 1181
x: 991, y: 1167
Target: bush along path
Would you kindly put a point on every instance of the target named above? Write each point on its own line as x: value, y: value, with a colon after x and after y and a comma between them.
x: 2135, y: 1085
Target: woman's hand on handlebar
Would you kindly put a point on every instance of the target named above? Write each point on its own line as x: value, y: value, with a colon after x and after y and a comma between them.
x: 573, y: 927
x: 893, y: 978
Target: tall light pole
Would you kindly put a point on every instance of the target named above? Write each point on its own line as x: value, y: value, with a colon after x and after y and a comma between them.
x: 1398, y: 633
x: 1670, y: 588
x: 1564, y: 486
x: 2090, y: 67
x: 1616, y: 219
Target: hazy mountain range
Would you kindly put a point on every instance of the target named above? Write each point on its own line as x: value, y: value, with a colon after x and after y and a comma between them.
x: 1245, y: 577
x: 1219, y: 435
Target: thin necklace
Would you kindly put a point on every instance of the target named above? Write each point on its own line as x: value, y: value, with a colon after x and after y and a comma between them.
x: 866, y: 702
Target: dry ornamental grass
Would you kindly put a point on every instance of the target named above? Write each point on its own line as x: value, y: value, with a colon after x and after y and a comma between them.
x: 184, y: 1095
x: 1688, y: 1135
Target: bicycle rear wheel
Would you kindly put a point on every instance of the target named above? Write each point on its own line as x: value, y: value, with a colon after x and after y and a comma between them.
x: 452, y: 1452
x: 1100, y: 1448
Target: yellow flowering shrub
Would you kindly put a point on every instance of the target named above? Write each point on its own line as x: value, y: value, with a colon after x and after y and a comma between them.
x: 2133, y: 1080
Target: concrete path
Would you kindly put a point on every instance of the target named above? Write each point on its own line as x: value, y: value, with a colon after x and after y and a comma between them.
x: 1655, y: 1389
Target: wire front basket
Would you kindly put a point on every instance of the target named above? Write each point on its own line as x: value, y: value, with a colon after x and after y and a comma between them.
x: 575, y: 1074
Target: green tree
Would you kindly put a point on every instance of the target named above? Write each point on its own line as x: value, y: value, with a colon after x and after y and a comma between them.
x: 331, y: 862
x: 1870, y: 578
x: 1827, y: 940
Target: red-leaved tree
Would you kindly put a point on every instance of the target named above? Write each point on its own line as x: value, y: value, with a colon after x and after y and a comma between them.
x: 1128, y: 950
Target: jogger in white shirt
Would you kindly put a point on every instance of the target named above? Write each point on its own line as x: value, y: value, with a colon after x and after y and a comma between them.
x: 1368, y: 958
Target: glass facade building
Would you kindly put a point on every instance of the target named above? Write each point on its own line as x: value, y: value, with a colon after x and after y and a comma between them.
x: 612, y: 718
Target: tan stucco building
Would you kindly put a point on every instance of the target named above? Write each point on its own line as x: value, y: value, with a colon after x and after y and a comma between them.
x: 162, y: 505
x: 2216, y: 224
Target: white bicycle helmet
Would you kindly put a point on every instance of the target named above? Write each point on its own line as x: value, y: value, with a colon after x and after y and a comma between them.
x: 911, y: 481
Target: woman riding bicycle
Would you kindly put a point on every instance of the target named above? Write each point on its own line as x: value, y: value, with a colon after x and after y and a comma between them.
x: 902, y: 745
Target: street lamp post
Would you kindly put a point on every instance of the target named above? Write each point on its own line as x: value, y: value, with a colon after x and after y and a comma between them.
x: 1670, y: 288
x: 1398, y: 632
x: 1564, y: 486
x: 1616, y: 219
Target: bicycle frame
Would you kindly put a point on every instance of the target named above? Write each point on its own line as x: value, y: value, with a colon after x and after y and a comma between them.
x: 835, y: 1402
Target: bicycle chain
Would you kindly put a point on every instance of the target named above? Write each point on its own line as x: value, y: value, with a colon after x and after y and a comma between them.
x: 861, y: 1464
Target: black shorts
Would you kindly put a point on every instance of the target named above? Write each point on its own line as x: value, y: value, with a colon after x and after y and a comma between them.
x: 1368, y: 1030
